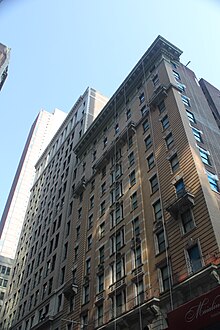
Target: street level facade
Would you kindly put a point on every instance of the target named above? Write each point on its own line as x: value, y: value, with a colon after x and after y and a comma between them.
x: 122, y: 230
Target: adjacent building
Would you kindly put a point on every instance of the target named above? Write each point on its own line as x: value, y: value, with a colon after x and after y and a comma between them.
x: 122, y: 228
x: 44, y: 127
x: 4, y: 62
x: 5, y: 271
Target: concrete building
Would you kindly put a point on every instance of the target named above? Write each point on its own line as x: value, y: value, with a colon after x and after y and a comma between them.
x: 122, y: 229
x: 43, y: 129
x: 5, y: 271
x: 212, y: 95
x: 4, y: 62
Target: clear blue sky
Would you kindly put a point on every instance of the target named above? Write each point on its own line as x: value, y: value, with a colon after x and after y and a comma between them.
x: 58, y: 48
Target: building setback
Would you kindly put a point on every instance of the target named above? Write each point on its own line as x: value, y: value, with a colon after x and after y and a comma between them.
x: 122, y: 230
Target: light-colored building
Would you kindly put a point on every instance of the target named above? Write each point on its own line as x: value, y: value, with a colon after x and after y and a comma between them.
x: 43, y: 129
x: 5, y: 271
x: 122, y: 230
x: 4, y: 62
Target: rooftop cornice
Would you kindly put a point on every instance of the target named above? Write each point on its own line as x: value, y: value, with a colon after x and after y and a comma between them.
x: 158, y: 47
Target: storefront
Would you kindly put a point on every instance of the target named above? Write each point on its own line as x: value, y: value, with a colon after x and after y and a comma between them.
x: 202, y: 313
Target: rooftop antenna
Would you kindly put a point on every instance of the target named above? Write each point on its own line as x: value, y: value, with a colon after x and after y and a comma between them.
x: 188, y: 63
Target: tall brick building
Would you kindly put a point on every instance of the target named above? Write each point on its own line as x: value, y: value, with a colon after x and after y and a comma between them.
x: 122, y: 230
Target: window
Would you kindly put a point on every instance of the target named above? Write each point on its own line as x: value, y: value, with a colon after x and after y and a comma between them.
x: 187, y: 221
x: 100, y: 312
x: 79, y: 213
x: 92, y: 184
x: 86, y: 294
x: 101, y: 254
x: 141, y: 98
x: 62, y: 275
x: 194, y: 260
x: 174, y: 162
x: 130, y: 141
x: 100, y: 282
x: 134, y: 202
x: 146, y: 125
x: 148, y: 141
x: 92, y: 202
x: 76, y: 251
x: 89, y: 242
x: 116, y: 193
x: 165, y: 122
x: 132, y: 178
x: 180, y: 188
x: 137, y: 256
x: 176, y: 75
x: 118, y: 303
x: 116, y: 129
x: 139, y: 288
x: 116, y: 173
x: 102, y: 208
x: 154, y: 184
x: 169, y: 140
x: 144, y: 110
x: 164, y: 278
x: 136, y: 226
x: 155, y: 80
x: 2, y: 295
x: 150, y: 161
x: 77, y: 232
x: 128, y: 114
x: 181, y: 87
x: 117, y: 241
x: 71, y: 303
x: 161, y: 106
x: 88, y: 266
x: 197, y: 134
x: 65, y: 250
x: 204, y: 155
x: 191, y: 116
x: 103, y: 171
x: 103, y: 188
x: 131, y: 158
x: 185, y: 100
x: 160, y: 242
x: 83, y: 166
x: 94, y: 155
x: 90, y: 221
x: 118, y: 270
x: 116, y: 215
x: 157, y: 210
x: 102, y: 230
x: 105, y: 141
x: 213, y: 180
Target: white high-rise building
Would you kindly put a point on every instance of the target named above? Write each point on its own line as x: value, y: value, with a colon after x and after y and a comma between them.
x: 43, y: 129
x: 4, y: 61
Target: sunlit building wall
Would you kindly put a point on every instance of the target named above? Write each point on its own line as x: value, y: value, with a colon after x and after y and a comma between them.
x: 122, y: 229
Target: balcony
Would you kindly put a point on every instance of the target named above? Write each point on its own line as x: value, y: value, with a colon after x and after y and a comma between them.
x: 80, y: 187
x: 183, y: 200
x: 45, y: 323
x: 100, y: 297
x: 117, y: 286
x: 70, y: 289
x: 159, y: 95
x: 137, y: 273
